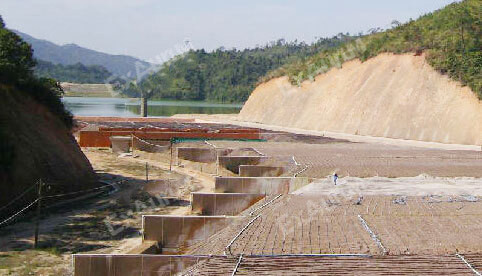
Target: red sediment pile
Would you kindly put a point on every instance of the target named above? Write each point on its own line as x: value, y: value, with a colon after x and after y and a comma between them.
x: 95, y: 119
x: 97, y: 130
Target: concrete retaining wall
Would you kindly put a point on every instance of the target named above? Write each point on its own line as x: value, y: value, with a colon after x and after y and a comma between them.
x: 212, y: 204
x: 259, y: 171
x: 204, y: 155
x: 146, y: 247
x: 174, y: 233
x: 261, y: 185
x: 201, y: 155
x: 127, y: 265
x: 232, y: 163
x: 200, y: 160
x: 120, y: 144
x: 150, y: 146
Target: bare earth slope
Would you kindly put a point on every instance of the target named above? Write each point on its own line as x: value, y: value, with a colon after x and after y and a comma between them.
x: 43, y: 148
x: 395, y: 96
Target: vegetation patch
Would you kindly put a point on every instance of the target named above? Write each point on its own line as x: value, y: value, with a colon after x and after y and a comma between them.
x: 224, y: 75
x: 450, y: 38
x: 78, y: 73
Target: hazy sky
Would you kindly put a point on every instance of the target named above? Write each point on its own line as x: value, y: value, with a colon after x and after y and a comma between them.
x: 146, y: 28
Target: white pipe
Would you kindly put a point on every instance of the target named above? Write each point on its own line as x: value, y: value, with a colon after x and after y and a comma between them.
x: 237, y: 265
x: 374, y: 237
x: 264, y: 205
x: 258, y: 152
x: 301, y: 171
x: 468, y: 264
x: 294, y: 160
x: 228, y: 248
x: 212, y: 145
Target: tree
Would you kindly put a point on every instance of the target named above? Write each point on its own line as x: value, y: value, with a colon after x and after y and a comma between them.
x: 464, y: 22
x: 78, y: 73
x: 395, y: 23
x: 226, y: 75
x: 16, y: 57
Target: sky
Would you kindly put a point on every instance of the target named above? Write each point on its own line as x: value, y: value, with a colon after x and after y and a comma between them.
x: 154, y: 28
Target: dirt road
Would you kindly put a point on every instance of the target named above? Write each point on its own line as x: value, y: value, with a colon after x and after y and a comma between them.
x: 106, y: 224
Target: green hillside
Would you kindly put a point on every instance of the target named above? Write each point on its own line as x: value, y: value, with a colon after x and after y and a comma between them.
x: 450, y: 38
x: 224, y: 75
x: 77, y: 73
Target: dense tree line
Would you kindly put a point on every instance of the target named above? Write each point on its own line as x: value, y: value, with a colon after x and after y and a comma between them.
x: 450, y: 38
x: 224, y: 75
x: 76, y: 73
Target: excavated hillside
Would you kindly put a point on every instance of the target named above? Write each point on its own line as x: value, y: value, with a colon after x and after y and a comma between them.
x: 395, y: 96
x: 36, y: 145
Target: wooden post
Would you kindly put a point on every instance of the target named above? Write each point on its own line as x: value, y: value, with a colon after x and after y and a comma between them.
x: 39, y: 207
x: 170, y: 160
x: 132, y: 143
x: 217, y: 162
x: 147, y: 173
x: 143, y: 106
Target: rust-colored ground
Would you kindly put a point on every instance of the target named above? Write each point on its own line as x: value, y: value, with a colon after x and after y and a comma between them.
x: 322, y: 265
x: 331, y: 225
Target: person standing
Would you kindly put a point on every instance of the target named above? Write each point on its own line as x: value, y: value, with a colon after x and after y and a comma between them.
x: 335, y: 178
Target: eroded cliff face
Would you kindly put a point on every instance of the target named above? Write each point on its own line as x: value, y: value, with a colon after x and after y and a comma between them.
x: 37, y: 145
x: 396, y: 96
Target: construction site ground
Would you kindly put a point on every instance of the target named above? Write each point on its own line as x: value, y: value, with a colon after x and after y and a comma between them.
x: 399, y: 207
x: 321, y: 224
x: 421, y: 203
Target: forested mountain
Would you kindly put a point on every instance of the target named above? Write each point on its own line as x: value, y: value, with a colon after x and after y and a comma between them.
x: 450, y: 38
x: 76, y: 73
x: 224, y: 75
x: 70, y: 54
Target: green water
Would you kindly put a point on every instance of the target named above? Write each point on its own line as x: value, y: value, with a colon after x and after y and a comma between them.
x: 122, y: 107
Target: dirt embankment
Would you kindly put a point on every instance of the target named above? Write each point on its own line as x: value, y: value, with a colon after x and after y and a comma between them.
x: 37, y: 145
x: 395, y: 96
x: 88, y: 90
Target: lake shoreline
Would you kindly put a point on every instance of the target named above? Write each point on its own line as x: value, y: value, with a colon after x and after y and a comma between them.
x: 130, y: 107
